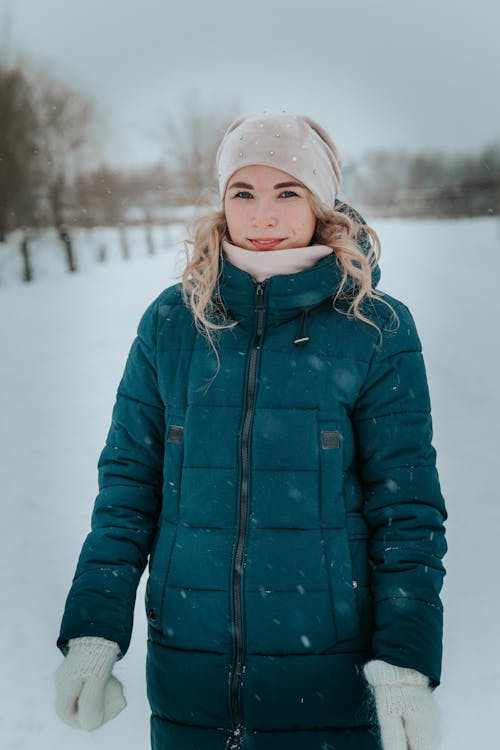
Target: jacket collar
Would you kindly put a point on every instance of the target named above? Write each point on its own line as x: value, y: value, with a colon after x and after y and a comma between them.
x: 285, y: 296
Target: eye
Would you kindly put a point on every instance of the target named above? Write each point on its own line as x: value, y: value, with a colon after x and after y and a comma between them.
x: 243, y: 194
x: 288, y: 194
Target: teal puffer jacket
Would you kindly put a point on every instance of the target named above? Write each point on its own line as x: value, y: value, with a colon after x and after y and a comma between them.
x: 290, y: 510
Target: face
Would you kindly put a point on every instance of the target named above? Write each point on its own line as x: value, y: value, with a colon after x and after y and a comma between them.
x: 267, y: 209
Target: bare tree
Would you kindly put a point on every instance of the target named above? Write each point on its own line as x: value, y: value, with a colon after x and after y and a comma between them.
x: 19, y: 174
x: 191, y: 139
x: 100, y: 196
x: 65, y: 143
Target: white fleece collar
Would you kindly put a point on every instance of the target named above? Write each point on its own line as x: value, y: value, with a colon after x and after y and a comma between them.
x: 262, y: 264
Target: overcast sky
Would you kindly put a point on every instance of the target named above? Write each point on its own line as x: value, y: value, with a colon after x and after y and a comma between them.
x: 376, y: 73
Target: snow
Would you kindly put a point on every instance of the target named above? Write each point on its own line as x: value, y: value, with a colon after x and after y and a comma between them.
x: 63, y: 345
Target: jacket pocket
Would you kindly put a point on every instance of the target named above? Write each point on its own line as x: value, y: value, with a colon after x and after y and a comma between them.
x: 163, y: 545
x: 159, y: 569
x: 358, y: 542
x: 335, y: 537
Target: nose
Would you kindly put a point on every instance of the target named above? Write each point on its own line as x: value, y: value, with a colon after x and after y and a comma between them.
x: 263, y: 216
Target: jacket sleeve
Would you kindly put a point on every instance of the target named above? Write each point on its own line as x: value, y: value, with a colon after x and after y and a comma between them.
x: 404, y: 507
x: 114, y: 554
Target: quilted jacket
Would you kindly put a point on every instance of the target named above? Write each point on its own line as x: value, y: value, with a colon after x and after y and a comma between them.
x: 288, y: 507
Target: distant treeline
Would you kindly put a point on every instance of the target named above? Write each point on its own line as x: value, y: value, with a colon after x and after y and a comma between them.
x: 428, y: 184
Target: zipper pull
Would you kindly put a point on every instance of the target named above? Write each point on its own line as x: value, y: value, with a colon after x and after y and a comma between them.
x: 302, y: 337
x: 259, y: 306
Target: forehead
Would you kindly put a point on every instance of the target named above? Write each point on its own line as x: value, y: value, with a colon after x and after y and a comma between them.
x: 260, y: 175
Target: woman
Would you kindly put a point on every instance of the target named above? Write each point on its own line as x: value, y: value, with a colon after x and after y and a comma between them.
x: 270, y: 453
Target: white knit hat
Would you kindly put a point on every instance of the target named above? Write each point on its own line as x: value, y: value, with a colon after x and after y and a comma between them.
x: 293, y: 143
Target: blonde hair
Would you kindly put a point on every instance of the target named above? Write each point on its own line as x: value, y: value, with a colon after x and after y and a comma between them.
x: 356, y: 246
x: 357, y: 249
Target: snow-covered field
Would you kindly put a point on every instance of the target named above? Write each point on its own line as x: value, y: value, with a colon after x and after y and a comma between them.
x: 63, y: 344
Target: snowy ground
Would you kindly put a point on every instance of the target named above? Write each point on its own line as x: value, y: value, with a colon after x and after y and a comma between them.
x: 62, y: 348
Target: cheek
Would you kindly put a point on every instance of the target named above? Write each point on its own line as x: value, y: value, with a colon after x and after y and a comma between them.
x: 305, y: 222
x: 235, y: 217
x: 311, y: 224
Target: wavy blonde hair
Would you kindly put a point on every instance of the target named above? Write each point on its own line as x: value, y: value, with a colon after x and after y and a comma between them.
x: 356, y: 246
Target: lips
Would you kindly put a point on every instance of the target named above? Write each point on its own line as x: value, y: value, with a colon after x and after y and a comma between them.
x: 269, y: 243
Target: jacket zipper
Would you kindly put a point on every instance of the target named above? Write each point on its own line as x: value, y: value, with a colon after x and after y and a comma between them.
x: 234, y: 740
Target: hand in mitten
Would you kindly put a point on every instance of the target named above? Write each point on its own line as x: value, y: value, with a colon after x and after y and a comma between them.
x: 87, y: 694
x: 406, y: 711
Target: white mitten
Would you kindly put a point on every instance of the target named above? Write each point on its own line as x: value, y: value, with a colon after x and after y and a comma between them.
x: 407, y: 713
x: 87, y: 694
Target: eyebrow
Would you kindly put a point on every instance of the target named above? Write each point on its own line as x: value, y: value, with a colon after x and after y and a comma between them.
x: 278, y: 186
